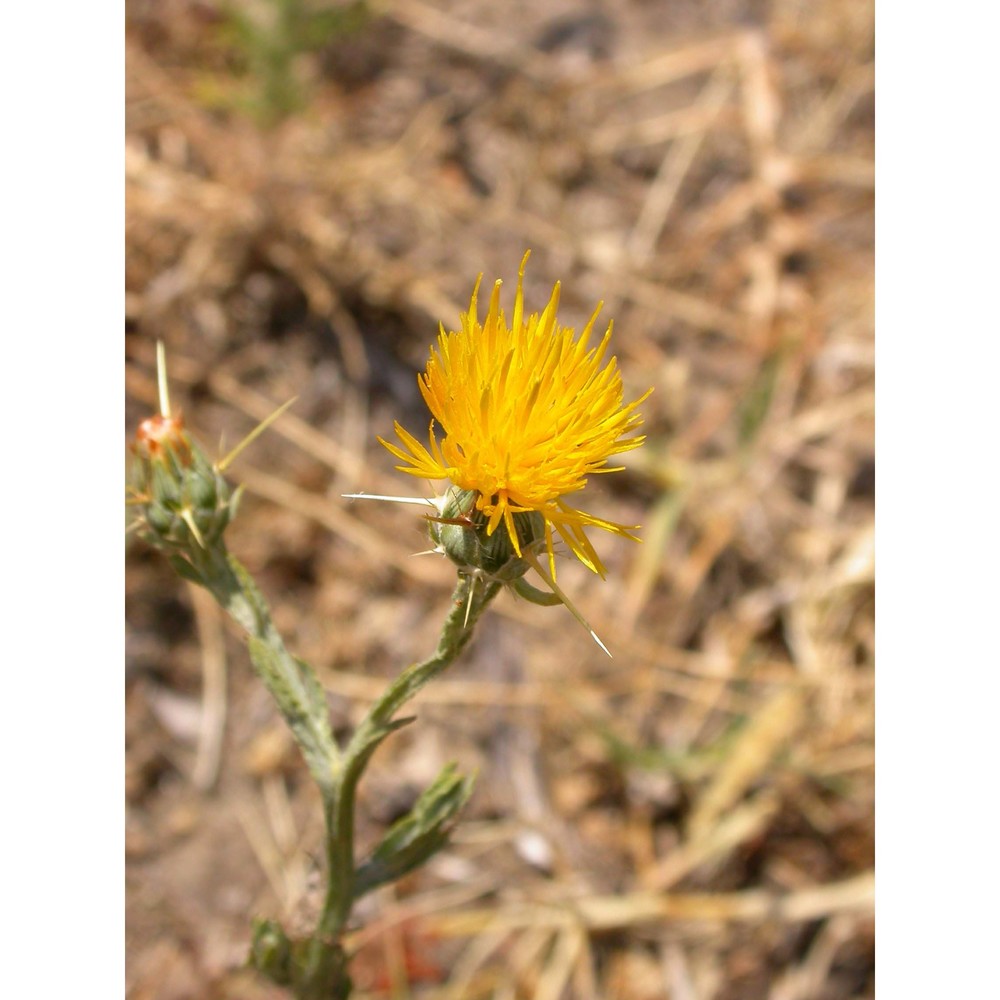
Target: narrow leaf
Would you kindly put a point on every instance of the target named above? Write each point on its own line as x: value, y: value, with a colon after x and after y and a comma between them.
x: 310, y: 723
x: 418, y: 835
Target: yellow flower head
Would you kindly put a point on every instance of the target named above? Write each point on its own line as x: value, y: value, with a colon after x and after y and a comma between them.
x: 528, y: 413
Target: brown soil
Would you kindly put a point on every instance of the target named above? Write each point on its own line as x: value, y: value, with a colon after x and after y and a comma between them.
x: 693, y: 819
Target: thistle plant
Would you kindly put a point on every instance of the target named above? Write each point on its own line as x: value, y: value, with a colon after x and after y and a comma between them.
x: 527, y: 411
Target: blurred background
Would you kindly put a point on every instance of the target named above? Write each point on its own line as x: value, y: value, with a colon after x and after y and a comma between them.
x: 312, y: 187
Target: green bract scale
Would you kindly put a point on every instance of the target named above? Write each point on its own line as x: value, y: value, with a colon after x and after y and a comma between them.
x: 461, y: 533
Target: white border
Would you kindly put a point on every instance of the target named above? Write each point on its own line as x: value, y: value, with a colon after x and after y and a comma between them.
x: 62, y: 741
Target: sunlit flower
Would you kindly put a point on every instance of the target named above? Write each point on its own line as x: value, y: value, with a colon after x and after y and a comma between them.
x: 528, y: 413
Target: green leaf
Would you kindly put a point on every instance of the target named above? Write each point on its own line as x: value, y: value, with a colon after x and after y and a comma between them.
x: 531, y: 593
x: 315, y: 695
x: 364, y: 743
x: 418, y: 835
x: 301, y: 701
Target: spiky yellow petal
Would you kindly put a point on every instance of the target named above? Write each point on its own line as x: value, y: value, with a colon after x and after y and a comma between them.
x: 528, y: 413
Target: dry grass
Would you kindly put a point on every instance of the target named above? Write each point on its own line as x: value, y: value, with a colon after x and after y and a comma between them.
x: 693, y: 819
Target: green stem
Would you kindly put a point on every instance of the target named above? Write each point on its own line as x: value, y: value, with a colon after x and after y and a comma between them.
x: 469, y: 600
x: 455, y: 635
x: 319, y: 967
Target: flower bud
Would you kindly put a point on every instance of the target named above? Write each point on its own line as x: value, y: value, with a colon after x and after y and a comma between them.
x: 183, y: 499
x: 271, y: 951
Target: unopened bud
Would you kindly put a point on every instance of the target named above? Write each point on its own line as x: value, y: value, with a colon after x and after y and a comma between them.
x: 182, y: 498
